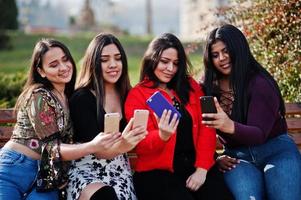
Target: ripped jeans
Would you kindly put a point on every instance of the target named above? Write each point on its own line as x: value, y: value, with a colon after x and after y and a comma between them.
x: 268, y: 171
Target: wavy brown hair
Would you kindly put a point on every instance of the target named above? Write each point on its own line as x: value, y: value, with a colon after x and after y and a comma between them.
x: 35, y: 80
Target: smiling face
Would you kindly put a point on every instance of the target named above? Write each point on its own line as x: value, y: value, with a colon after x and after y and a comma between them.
x: 221, y: 58
x: 167, y: 66
x: 111, y: 64
x: 56, y: 67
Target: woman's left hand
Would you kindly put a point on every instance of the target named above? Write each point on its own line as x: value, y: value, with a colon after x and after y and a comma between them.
x: 226, y: 163
x: 166, y: 127
x: 219, y: 120
x: 197, y: 179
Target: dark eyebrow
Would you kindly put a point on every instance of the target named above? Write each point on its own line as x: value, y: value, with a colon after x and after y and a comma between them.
x: 168, y: 58
x: 105, y: 55
x: 64, y: 56
x: 221, y: 49
x: 52, y: 62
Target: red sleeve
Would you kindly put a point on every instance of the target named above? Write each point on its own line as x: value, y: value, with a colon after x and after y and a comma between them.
x: 136, y: 99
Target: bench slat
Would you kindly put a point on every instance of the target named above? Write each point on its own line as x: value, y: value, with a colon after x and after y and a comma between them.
x: 132, y: 158
x: 292, y: 108
x: 297, y: 139
x: 294, y: 124
x: 7, y: 116
x: 5, y: 133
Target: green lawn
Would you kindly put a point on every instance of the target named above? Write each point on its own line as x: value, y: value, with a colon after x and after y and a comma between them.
x: 18, y: 58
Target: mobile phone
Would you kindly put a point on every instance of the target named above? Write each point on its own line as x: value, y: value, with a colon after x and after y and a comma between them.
x: 157, y: 102
x: 140, y: 118
x: 208, y: 106
x: 111, y: 124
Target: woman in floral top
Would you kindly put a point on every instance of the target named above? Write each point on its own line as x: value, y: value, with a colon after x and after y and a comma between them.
x: 31, y: 163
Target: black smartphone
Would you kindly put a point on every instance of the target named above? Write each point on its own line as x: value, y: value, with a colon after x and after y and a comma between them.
x: 208, y: 105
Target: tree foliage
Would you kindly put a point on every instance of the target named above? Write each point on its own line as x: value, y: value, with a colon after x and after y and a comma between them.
x: 8, y: 15
x: 8, y: 20
x: 273, y: 29
x: 11, y: 86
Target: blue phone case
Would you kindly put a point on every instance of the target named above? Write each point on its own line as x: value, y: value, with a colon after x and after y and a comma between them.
x: 157, y: 102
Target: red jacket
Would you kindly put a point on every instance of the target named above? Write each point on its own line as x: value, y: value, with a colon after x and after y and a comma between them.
x: 153, y: 152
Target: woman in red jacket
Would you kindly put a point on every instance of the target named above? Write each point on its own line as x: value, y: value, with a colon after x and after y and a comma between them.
x: 175, y: 156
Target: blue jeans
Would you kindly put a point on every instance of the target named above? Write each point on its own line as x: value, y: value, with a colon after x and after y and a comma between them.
x: 268, y: 171
x: 17, y: 174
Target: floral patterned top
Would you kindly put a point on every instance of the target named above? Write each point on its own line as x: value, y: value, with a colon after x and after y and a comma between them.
x: 41, y: 116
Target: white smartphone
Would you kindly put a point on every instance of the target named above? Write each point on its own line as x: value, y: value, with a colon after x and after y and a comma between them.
x: 111, y: 124
x: 140, y: 118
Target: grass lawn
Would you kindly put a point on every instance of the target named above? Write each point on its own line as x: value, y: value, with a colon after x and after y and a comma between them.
x: 18, y: 58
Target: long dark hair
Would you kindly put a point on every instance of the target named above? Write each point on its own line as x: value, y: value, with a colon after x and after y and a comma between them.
x: 244, y: 66
x: 91, y: 75
x: 35, y: 80
x: 151, y: 58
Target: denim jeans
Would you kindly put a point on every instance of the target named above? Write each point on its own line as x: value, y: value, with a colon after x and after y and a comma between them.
x: 268, y: 171
x: 17, y: 175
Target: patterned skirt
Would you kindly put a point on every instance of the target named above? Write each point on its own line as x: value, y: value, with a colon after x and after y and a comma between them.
x: 89, y: 169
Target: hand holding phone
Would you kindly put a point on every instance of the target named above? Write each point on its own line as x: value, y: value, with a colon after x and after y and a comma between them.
x: 208, y: 106
x: 158, y: 103
x: 140, y: 118
x: 111, y: 124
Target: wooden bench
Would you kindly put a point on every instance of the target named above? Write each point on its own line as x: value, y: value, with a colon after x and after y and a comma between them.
x: 293, y: 117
